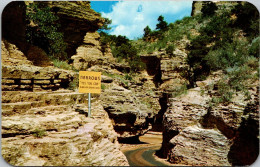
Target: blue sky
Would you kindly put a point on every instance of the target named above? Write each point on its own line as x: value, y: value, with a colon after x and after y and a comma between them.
x: 129, y: 18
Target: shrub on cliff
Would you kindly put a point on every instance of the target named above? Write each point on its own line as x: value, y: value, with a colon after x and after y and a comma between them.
x: 147, y: 32
x: 247, y: 18
x: 221, y: 44
x: 225, y: 44
x: 43, y: 31
x: 209, y: 8
x: 156, y: 40
x: 162, y: 24
x: 122, y: 49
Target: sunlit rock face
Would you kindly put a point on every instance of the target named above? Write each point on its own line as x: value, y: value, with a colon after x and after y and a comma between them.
x: 196, y: 134
x: 44, y: 124
x: 75, y: 19
x: 43, y: 127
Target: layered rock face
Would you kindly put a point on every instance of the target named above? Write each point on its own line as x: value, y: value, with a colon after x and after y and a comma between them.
x: 91, y: 53
x: 129, y: 107
x: 19, y: 73
x: 44, y: 124
x: 51, y: 128
x: 79, y: 24
x: 75, y: 18
x: 196, y: 134
x: 165, y: 71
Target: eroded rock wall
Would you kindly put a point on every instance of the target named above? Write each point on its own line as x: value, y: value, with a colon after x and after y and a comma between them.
x: 166, y: 71
x: 75, y: 18
x: 196, y: 133
x: 44, y: 124
x: 131, y: 105
x: 91, y: 53
x: 52, y: 129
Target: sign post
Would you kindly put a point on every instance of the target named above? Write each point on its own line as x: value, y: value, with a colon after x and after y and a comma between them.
x: 89, y: 82
x: 89, y: 104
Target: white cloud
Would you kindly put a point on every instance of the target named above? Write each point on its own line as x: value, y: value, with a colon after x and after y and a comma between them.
x: 129, y: 18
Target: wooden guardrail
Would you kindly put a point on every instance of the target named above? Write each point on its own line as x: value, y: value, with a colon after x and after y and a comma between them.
x: 31, y: 84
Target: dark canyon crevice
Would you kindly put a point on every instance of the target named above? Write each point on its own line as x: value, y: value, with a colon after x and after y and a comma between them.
x: 153, y: 68
x: 158, y: 119
x: 245, y: 147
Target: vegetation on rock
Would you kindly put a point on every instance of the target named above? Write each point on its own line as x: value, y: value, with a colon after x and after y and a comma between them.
x: 220, y: 39
x: 39, y: 133
x: 122, y: 49
x: 43, y: 31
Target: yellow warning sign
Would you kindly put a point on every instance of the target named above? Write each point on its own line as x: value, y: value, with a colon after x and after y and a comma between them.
x: 89, y: 82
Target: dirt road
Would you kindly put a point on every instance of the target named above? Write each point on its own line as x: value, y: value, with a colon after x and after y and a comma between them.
x: 142, y: 154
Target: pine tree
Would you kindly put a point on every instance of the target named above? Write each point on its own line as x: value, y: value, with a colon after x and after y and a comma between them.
x: 147, y: 32
x: 162, y: 25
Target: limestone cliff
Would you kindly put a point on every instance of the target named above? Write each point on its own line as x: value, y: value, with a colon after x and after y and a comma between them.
x: 75, y: 18
x: 36, y: 100
x: 195, y: 133
x: 166, y: 72
x: 44, y: 124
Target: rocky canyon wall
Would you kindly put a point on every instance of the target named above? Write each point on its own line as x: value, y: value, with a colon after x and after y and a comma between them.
x: 199, y: 133
x: 36, y: 99
x: 196, y: 134
x: 43, y: 122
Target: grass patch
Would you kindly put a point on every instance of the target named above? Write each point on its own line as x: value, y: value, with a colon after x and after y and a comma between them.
x: 180, y: 90
x: 103, y: 86
x: 39, y: 133
x: 62, y: 64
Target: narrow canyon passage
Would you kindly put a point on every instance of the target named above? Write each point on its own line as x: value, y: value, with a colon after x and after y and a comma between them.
x: 142, y: 153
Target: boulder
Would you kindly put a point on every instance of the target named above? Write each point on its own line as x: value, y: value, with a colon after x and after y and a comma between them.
x: 200, y: 147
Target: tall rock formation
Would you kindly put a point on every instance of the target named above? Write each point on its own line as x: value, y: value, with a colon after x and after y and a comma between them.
x: 198, y: 5
x: 195, y: 132
x: 198, y: 133
x: 43, y: 123
x: 166, y: 72
x: 75, y: 18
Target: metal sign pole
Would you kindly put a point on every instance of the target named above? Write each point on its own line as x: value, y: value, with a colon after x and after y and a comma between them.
x: 89, y: 105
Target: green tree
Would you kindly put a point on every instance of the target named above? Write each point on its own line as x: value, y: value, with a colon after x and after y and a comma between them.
x: 45, y: 33
x: 209, y: 8
x: 214, y: 36
x: 147, y: 32
x: 162, y: 25
x: 247, y: 18
x: 120, y: 40
x: 106, y: 25
x: 123, y: 49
